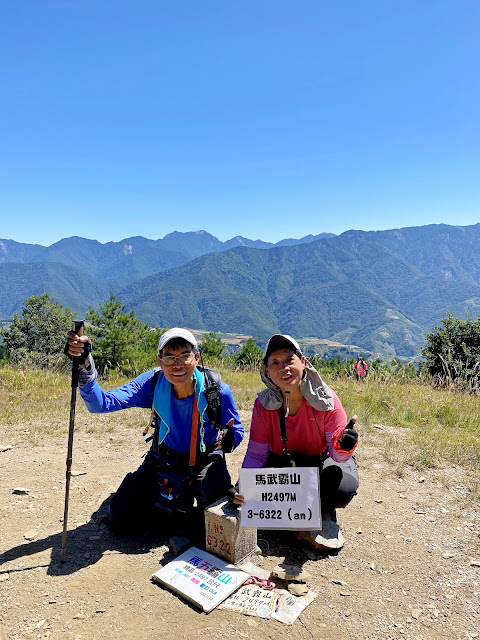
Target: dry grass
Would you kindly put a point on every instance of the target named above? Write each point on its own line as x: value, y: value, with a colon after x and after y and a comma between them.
x: 427, y: 427
x: 36, y: 402
x: 433, y: 426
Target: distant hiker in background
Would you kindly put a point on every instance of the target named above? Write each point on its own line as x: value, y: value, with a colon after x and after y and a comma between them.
x: 194, y: 422
x: 361, y: 369
x: 299, y: 419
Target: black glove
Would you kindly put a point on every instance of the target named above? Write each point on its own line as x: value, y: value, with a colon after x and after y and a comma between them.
x: 228, y: 440
x: 349, y: 436
x: 87, y: 349
x: 230, y: 496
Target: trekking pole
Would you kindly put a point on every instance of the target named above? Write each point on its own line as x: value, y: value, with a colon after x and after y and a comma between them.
x: 75, y: 362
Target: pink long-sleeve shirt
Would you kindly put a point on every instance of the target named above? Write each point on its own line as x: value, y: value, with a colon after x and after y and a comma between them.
x: 309, y: 432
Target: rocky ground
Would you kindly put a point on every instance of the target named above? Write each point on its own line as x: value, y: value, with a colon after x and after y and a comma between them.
x: 409, y: 568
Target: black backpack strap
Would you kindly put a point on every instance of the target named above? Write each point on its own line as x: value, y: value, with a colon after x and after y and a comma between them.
x: 283, y: 429
x: 283, y: 436
x: 212, y: 393
x: 153, y: 424
x: 155, y: 378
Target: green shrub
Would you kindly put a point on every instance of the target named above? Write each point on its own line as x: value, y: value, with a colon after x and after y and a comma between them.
x: 452, y: 353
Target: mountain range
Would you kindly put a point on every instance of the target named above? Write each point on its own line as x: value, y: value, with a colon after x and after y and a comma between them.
x: 377, y: 290
x: 119, y: 263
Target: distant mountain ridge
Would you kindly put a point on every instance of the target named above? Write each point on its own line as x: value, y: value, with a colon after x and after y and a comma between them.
x: 118, y: 263
x: 380, y: 290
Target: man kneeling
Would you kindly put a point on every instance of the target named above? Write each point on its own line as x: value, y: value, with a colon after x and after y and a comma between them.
x: 194, y: 420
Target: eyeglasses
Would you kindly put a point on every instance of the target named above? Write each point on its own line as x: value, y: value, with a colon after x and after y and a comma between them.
x: 183, y: 357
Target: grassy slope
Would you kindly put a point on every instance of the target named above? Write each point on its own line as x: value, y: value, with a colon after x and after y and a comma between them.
x: 425, y: 427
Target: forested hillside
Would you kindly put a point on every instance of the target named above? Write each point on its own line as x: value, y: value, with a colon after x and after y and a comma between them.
x: 379, y: 290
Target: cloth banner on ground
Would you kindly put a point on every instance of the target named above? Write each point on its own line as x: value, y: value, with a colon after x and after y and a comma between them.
x: 279, y: 604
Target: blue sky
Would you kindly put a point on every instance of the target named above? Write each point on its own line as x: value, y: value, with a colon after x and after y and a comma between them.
x: 267, y: 119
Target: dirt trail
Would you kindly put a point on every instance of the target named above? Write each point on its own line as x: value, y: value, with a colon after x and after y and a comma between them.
x: 405, y: 570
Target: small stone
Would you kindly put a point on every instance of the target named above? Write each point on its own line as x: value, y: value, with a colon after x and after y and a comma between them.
x: 40, y: 624
x: 298, y: 589
x: 378, y: 500
x: 447, y: 555
x: 371, y: 566
x: 290, y: 572
x: 20, y: 491
x: 79, y: 616
x: 4, y: 577
x: 31, y: 534
x: 402, y: 495
x: 345, y: 594
x: 95, y: 538
x: 5, y: 447
x: 474, y: 563
x: 422, y: 479
x: 416, y: 613
x: 359, y: 531
x: 340, y: 582
x: 87, y: 555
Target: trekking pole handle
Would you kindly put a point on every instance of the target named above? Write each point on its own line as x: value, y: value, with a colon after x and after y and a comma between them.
x: 79, y: 324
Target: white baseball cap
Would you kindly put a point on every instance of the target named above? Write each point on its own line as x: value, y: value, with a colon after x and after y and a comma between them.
x: 176, y: 332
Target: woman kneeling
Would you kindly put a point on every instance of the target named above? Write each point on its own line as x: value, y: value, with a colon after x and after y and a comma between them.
x: 299, y: 420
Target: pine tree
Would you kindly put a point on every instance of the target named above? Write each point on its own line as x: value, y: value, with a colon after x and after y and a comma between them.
x: 41, y: 329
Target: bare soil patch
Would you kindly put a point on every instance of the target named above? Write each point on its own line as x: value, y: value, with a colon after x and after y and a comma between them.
x: 404, y: 572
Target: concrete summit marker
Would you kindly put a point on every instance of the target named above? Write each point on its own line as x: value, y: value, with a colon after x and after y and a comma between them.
x: 223, y: 534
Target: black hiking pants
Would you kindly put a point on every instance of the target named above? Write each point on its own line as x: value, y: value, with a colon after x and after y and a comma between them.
x: 134, y: 507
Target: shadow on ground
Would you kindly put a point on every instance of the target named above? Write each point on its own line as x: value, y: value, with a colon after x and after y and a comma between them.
x: 87, y: 544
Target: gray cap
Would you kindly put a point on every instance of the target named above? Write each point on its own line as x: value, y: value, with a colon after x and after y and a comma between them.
x: 176, y: 332
x: 277, y: 342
